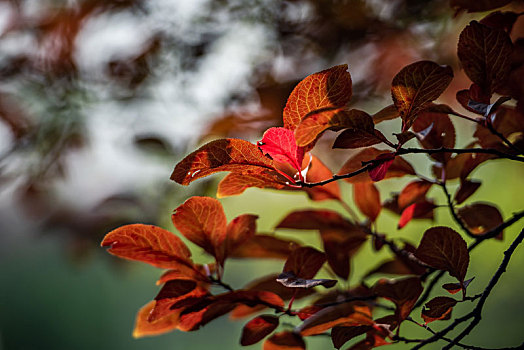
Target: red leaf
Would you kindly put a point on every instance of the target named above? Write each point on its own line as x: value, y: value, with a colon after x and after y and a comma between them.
x: 149, y: 244
x: 435, y: 130
x: 457, y: 287
x: 236, y: 183
x: 258, y: 328
x: 196, y: 272
x: 402, y: 292
x: 349, y: 313
x: 340, y: 335
x: 144, y: 328
x: 398, y: 168
x: 438, y: 309
x: 467, y: 189
x: 379, y: 172
x: 304, y: 262
x: 328, y: 89
x: 444, y: 249
x: 316, y: 220
x: 284, y: 341
x: 481, y: 217
x: 280, y: 145
x: 416, y: 210
x: 203, y: 222
x: 355, y: 138
x: 172, y: 293
x: 308, y: 311
x: 367, y: 199
x: 220, y: 155
x: 484, y: 53
x: 414, y: 192
x: 416, y: 85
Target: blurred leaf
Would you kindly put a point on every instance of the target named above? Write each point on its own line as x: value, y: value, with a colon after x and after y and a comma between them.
x: 288, y: 279
x: 340, y: 335
x: 481, y: 217
x: 467, y: 189
x: 258, y: 328
x: 402, y: 292
x: 438, y: 309
x: 284, y: 341
x: 304, y: 262
x: 367, y: 199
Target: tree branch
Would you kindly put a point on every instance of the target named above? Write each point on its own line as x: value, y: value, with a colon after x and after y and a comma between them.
x: 459, y: 151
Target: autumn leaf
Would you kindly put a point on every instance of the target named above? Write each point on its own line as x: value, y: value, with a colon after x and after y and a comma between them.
x: 288, y: 279
x: 414, y: 191
x: 240, y: 230
x: 457, y: 287
x: 387, y: 113
x: 196, y: 272
x: 444, y: 249
x: 435, y: 130
x: 315, y: 220
x: 340, y: 335
x: 402, y: 292
x: 175, y: 292
x: 324, y: 90
x: 345, y: 313
x: 284, y: 341
x: 258, y: 328
x: 304, y: 262
x: 484, y: 53
x: 438, y: 308
x: 220, y: 155
x: 367, y: 199
x: 236, y: 183
x: 203, y: 222
x: 281, y: 146
x: 319, y: 172
x: 380, y: 169
x: 416, y: 85
x: 265, y: 246
x: 420, y: 210
x: 315, y: 124
x: 398, y: 168
x: 147, y: 243
x: 144, y: 328
x: 481, y: 217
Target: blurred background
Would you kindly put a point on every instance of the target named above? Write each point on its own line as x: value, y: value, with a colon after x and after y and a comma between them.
x: 100, y: 98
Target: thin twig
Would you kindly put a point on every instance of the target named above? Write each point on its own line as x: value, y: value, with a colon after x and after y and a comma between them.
x: 454, y: 214
x: 492, y: 151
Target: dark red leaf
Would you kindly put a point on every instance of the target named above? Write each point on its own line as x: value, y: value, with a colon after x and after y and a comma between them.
x: 324, y: 90
x: 281, y: 146
x: 402, y: 292
x: 444, y: 249
x: 284, y: 341
x: 416, y: 85
x: 457, y: 287
x: 304, y: 262
x: 316, y: 220
x: 481, y: 217
x: 385, y: 160
x: 435, y: 130
x: 354, y: 138
x: 438, y: 308
x: 172, y: 294
x: 339, y: 246
x: 240, y: 230
x: 419, y: 210
x: 236, y: 183
x: 340, y: 335
x: 501, y: 20
x: 149, y: 244
x: 484, y: 53
x: 258, y: 328
x: 387, y: 113
x: 265, y: 246
x: 367, y: 199
x: 467, y: 189
x: 308, y: 311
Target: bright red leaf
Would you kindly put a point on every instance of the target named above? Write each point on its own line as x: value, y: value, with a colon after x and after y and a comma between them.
x: 419, y: 210
x: 281, y: 146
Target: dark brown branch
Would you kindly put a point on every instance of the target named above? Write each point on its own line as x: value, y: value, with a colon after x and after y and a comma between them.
x: 335, y: 177
x: 494, y: 131
x: 427, y: 291
x: 459, y: 151
x: 452, y: 211
x: 477, y: 311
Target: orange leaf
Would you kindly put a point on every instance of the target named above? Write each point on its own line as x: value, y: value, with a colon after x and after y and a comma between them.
x: 416, y: 85
x: 367, y: 199
x: 203, y: 222
x: 149, y: 244
x: 236, y: 183
x: 438, y: 308
x: 196, y: 272
x: 413, y: 192
x: 444, y: 249
x: 258, y: 328
x: 319, y: 172
x: 173, y: 293
x: 312, y: 126
x: 402, y: 292
x: 328, y: 89
x: 484, y: 53
x: 349, y: 313
x: 400, y: 167
x: 144, y: 328
x: 281, y: 146
x: 220, y: 155
x: 284, y: 341
x: 481, y: 217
